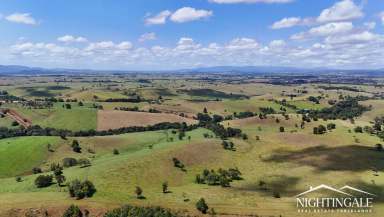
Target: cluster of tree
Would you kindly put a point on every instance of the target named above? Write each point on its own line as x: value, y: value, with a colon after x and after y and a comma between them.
x: 321, y: 129
x: 58, y: 173
x: 267, y: 110
x: 212, y: 123
x: 5, y: 96
x: 284, y: 102
x: 39, y: 131
x: 346, y: 109
x: 37, y: 104
x: 245, y: 114
x: 71, y: 162
x: 225, y: 133
x: 221, y: 177
x: 135, y: 211
x: 347, y: 88
x: 80, y: 190
x: 136, y: 109
x: 228, y: 145
x: 136, y: 99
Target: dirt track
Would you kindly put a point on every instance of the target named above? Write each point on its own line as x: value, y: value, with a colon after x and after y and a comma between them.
x: 17, y: 117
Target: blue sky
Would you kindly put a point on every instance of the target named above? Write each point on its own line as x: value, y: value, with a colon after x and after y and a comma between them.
x: 171, y: 34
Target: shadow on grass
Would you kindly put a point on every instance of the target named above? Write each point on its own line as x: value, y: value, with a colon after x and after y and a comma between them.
x: 270, y: 186
x: 373, y: 188
x: 345, y: 158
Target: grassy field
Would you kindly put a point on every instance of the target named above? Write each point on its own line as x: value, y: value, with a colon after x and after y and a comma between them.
x: 287, y: 162
x: 19, y: 155
x: 77, y: 118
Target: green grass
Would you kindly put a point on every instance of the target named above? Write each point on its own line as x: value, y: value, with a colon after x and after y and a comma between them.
x: 75, y: 119
x: 20, y: 155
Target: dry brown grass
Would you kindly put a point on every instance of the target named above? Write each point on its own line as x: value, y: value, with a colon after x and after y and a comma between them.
x: 116, y: 119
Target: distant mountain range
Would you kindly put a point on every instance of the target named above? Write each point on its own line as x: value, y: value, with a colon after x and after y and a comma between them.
x: 25, y: 70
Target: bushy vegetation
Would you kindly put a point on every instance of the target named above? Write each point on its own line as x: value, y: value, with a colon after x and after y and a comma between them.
x: 228, y: 145
x: 43, y: 181
x: 80, y: 190
x: 346, y: 109
x: 221, y: 177
x: 202, y: 206
x: 39, y: 131
x: 135, y: 211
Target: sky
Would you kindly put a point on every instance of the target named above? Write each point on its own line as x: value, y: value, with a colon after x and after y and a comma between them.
x: 178, y: 34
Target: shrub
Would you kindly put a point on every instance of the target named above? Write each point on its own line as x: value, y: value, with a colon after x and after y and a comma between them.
x: 73, y: 211
x: 43, y: 181
x: 358, y: 129
x: 165, y: 187
x: 14, y: 123
x: 80, y: 190
x: 116, y: 152
x: 138, y: 192
x: 76, y: 146
x: 281, y: 129
x: 177, y: 163
x: 202, y: 206
x: 36, y: 170
x: 69, y: 162
x: 276, y: 194
x: 18, y: 179
x: 331, y: 126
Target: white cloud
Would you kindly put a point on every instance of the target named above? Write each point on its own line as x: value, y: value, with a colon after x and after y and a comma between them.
x: 331, y: 29
x: 356, y: 48
x: 336, y: 28
x: 187, y: 14
x: 147, y: 37
x: 341, y: 11
x: 242, y: 43
x: 249, y: 1
x: 23, y: 18
x: 286, y: 22
x: 108, y: 46
x: 362, y: 37
x: 158, y: 19
x: 277, y: 43
x: 186, y: 44
x: 70, y: 39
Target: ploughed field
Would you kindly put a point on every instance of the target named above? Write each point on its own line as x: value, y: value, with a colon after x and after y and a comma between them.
x: 123, y: 143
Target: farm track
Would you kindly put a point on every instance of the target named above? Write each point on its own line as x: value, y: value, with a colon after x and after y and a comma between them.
x: 18, y: 118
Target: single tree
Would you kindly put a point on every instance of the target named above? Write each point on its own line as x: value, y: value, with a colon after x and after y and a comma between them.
x: 138, y: 192
x: 202, y: 206
x: 165, y: 187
